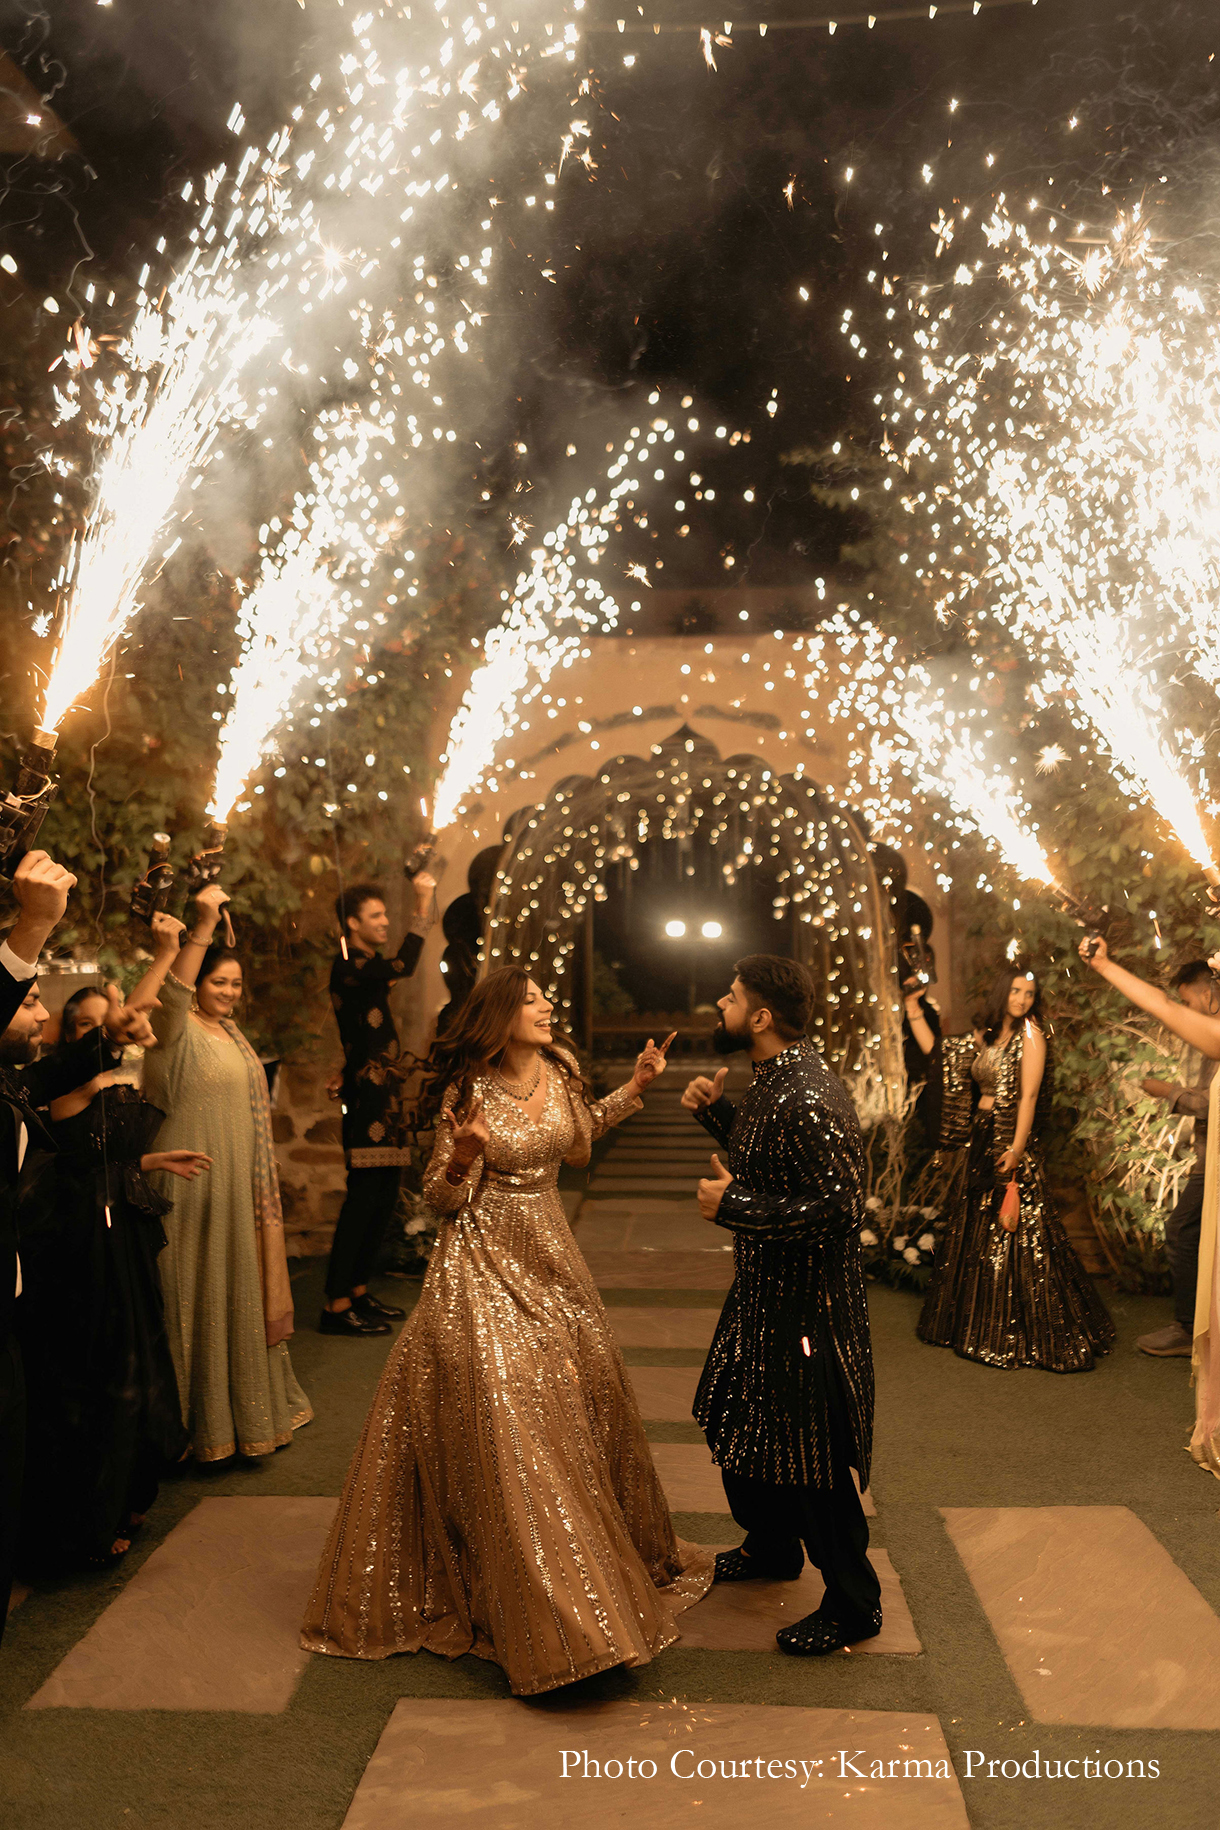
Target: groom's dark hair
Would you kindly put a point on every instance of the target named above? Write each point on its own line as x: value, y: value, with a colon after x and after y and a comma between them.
x: 783, y: 987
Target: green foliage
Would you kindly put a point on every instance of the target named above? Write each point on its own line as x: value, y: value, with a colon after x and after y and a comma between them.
x: 1124, y: 1149
x: 610, y: 999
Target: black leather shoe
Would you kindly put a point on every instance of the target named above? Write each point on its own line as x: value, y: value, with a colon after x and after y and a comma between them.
x: 376, y: 1311
x: 735, y: 1566
x: 818, y: 1634
x: 349, y: 1321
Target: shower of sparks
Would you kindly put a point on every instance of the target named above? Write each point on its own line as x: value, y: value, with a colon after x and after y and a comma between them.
x: 291, y: 237
x: 1067, y: 434
x: 906, y: 745
x: 180, y: 381
x: 553, y: 607
x: 544, y: 626
x: 948, y: 760
x: 290, y: 619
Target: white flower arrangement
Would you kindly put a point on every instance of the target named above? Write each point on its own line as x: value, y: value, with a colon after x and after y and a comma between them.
x: 873, y: 1204
x: 911, y: 1255
x: 926, y: 1242
x: 867, y: 1236
x: 899, y: 1241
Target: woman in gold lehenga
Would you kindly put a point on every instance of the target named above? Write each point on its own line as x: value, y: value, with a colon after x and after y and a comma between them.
x: 1008, y: 1295
x: 503, y: 1500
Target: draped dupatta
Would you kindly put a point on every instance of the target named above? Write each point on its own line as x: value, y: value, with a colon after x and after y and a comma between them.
x: 268, y: 1214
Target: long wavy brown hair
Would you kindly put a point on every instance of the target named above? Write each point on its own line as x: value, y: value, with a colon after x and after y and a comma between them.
x: 476, y: 1039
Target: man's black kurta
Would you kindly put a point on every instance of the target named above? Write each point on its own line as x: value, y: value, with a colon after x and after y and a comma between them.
x: 790, y: 1371
x: 374, y: 1123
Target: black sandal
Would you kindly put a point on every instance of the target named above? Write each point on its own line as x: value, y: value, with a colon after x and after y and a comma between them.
x: 127, y: 1534
x: 736, y: 1566
x: 818, y: 1634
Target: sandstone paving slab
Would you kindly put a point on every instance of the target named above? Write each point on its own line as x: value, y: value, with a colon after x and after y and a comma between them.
x: 665, y: 1393
x: 1096, y: 1621
x: 502, y: 1763
x: 745, y: 1616
x: 210, y: 1620
x: 661, y: 1226
x: 663, y: 1327
x: 692, y: 1481
x: 613, y: 1270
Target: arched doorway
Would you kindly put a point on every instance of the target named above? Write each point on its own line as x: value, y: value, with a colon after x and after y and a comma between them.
x: 717, y: 823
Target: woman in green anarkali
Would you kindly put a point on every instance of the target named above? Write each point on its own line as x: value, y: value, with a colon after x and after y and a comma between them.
x: 224, y: 1271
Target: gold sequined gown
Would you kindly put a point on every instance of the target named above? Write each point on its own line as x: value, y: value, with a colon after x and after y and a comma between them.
x: 503, y: 1500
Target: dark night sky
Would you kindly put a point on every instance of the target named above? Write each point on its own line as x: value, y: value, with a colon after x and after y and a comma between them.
x: 678, y: 266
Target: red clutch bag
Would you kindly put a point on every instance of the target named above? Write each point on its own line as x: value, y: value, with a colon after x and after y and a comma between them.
x: 1010, y: 1207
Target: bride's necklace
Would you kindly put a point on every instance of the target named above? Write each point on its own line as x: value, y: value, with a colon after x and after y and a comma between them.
x: 515, y: 1089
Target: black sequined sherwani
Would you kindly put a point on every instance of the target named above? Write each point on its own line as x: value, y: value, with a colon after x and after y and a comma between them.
x: 791, y: 1365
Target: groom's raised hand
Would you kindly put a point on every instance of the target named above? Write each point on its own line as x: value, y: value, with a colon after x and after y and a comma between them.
x: 704, y: 1092
x: 711, y: 1189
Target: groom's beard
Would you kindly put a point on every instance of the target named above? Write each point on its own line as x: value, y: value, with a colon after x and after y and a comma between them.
x: 726, y: 1041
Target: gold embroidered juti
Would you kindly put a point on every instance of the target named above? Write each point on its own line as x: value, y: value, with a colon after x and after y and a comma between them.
x: 503, y: 1500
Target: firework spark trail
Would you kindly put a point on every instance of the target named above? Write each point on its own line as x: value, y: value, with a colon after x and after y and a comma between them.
x: 523, y: 651
x: 943, y: 758
x: 290, y: 618
x: 546, y: 618
x: 296, y: 608
x: 1088, y: 491
x: 181, y: 381
x: 156, y: 425
x: 906, y: 743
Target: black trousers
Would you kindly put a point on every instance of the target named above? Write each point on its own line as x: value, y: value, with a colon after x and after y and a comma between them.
x: 1182, y: 1246
x: 12, y: 1460
x: 829, y: 1521
x: 370, y: 1200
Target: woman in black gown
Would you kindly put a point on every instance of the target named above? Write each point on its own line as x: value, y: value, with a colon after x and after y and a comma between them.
x: 104, y: 1414
x: 1010, y: 1294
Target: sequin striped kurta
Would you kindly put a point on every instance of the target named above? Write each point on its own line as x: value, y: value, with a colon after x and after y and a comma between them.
x: 1006, y: 1299
x: 503, y: 1499
x: 791, y: 1365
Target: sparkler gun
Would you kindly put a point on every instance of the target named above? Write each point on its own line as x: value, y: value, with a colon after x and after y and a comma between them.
x: 419, y: 858
x: 1094, y: 921
x: 918, y: 957
x: 24, y: 808
x: 150, y: 896
x: 204, y: 868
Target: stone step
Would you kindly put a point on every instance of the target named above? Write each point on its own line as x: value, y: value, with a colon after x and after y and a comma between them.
x: 628, y: 1185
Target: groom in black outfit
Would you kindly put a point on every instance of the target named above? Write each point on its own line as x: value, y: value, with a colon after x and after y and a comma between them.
x: 786, y: 1397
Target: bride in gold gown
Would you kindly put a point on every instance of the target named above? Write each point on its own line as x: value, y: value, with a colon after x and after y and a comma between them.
x: 503, y: 1500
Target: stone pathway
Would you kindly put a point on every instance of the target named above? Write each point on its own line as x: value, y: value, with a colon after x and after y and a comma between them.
x: 1095, y: 1622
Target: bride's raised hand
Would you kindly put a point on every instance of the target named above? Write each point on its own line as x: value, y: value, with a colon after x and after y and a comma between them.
x: 651, y: 1062
x: 470, y: 1134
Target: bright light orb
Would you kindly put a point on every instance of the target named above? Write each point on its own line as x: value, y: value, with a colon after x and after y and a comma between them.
x: 675, y: 929
x: 711, y: 930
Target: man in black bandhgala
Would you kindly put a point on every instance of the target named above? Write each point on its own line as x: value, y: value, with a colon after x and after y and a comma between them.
x: 376, y: 1146
x: 786, y: 1397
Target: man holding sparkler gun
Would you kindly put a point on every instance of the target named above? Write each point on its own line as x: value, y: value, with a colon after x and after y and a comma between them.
x: 41, y: 887
x: 375, y: 1143
x: 1196, y: 1019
